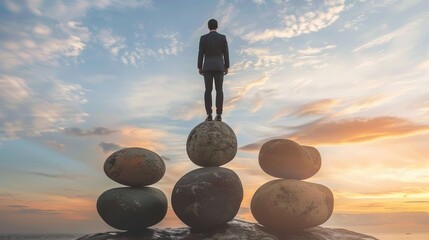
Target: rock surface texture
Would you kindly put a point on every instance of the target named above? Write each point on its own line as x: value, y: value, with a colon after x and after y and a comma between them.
x: 284, y: 158
x: 290, y: 205
x: 135, y: 207
x: 211, y: 143
x: 207, y: 197
x: 128, y: 208
x: 134, y: 167
x: 234, y: 230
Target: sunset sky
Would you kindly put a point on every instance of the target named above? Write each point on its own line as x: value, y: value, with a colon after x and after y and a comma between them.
x: 81, y: 79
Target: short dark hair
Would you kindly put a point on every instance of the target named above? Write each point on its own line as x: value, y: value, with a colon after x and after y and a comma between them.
x: 212, y: 24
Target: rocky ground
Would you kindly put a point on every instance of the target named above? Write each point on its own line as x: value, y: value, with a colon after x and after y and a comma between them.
x: 234, y: 230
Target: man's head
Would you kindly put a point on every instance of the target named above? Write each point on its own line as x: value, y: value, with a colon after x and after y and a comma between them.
x: 212, y: 24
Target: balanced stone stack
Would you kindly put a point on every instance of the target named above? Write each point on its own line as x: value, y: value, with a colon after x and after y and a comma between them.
x: 209, y: 196
x: 137, y: 206
x: 289, y: 204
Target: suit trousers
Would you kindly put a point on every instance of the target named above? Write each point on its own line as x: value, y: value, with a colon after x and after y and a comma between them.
x: 208, y: 81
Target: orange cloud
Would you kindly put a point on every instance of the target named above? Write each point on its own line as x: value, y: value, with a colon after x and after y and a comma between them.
x: 240, y: 92
x: 356, y: 130
x: 383, y: 202
x: 60, y: 206
x: 325, y: 106
x: 318, y: 107
x: 365, y: 103
x: 346, y: 131
x: 148, y: 138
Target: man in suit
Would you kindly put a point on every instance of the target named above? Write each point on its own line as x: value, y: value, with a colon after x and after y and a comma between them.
x: 213, y: 64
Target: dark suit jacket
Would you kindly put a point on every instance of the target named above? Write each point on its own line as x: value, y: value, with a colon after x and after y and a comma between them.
x: 214, y: 50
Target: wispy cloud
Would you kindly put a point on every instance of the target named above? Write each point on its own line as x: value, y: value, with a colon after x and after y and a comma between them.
x: 42, y: 46
x: 59, y: 176
x: 360, y: 105
x: 95, y: 131
x: 315, y: 50
x: 388, y: 37
x: 111, y: 42
x: 261, y: 58
x: 316, y: 57
x: 354, y: 24
x: 261, y: 98
x: 6, y: 195
x: 41, y: 29
x: 136, y: 54
x: 141, y: 96
x: 69, y: 10
x: 28, y: 210
x: 12, y: 6
x: 348, y: 131
x: 314, y: 108
x: 109, y: 147
x: 26, y: 112
x: 173, y: 47
x: 297, y: 24
x: 62, y: 208
x: 190, y: 110
x: 333, y: 108
x: 240, y: 92
x: 131, y: 136
x: 259, y: 2
x: 55, y: 144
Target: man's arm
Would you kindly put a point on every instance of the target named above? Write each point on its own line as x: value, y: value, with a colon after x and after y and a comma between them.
x: 200, y: 55
x: 226, y: 56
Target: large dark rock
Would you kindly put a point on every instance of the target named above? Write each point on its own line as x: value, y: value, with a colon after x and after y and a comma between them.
x: 207, y: 197
x: 284, y: 158
x: 211, y: 144
x: 129, y: 208
x: 288, y: 205
x: 134, y: 167
x: 236, y: 230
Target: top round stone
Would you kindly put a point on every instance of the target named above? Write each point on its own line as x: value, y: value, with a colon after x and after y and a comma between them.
x: 284, y: 158
x: 134, y: 167
x: 211, y: 144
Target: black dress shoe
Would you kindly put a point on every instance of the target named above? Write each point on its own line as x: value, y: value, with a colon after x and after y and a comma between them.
x: 209, y: 117
x: 218, y: 117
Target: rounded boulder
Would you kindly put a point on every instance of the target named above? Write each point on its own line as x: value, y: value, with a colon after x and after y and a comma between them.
x: 284, y: 158
x: 129, y: 208
x: 288, y: 205
x: 207, y: 197
x: 211, y: 144
x: 134, y: 167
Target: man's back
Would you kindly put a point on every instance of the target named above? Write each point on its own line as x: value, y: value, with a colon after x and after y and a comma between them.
x: 214, y: 50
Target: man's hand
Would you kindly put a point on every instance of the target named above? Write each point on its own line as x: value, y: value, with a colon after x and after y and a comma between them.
x: 226, y: 71
x: 200, y: 71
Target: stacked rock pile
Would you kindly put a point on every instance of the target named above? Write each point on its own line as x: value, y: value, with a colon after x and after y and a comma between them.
x: 209, y: 196
x: 137, y: 206
x: 289, y: 204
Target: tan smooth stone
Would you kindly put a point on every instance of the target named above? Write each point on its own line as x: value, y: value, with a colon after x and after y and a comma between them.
x: 284, y: 158
x: 134, y: 167
x: 211, y: 144
x: 288, y: 205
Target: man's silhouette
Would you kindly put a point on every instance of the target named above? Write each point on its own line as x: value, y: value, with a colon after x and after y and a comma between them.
x: 213, y: 63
